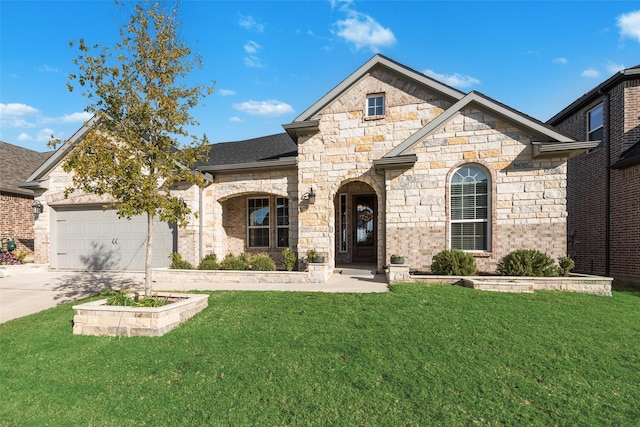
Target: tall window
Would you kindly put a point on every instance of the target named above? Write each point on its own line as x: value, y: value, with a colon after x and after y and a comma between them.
x: 375, y: 105
x: 258, y: 222
x: 343, y: 223
x: 470, y: 209
x: 596, y: 128
x: 282, y: 220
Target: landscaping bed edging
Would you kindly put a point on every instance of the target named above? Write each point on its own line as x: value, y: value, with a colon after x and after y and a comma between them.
x: 97, y: 318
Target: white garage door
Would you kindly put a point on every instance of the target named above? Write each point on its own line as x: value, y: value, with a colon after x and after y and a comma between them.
x: 96, y: 239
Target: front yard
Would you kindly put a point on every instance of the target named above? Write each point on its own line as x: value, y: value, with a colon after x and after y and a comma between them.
x: 418, y: 355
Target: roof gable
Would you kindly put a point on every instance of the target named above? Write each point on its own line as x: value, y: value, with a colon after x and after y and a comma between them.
x: 378, y: 61
x: 483, y: 102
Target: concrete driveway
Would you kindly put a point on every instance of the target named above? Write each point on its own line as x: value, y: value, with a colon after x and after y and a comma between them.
x: 30, y: 293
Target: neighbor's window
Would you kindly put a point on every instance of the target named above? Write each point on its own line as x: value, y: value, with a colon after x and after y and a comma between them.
x: 470, y: 209
x: 258, y: 222
x: 282, y: 220
x: 375, y: 105
x: 596, y: 128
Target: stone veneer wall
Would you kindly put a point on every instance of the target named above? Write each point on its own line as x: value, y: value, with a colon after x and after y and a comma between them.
x: 348, y: 142
x: 528, y: 196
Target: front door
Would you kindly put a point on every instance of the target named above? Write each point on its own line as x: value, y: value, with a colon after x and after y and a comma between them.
x: 364, y: 228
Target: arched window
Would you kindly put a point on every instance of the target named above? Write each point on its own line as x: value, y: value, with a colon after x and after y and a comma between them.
x: 469, y: 209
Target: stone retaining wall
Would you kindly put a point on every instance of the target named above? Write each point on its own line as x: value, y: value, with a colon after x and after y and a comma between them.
x: 318, y: 273
x: 581, y: 283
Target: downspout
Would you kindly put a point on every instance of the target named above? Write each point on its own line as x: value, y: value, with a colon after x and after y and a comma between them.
x: 607, y: 188
x: 201, y: 224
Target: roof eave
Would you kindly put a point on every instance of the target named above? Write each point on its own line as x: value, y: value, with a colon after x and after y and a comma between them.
x: 397, y: 162
x: 282, y: 163
x: 295, y: 129
x: 545, y: 150
x: 595, y: 92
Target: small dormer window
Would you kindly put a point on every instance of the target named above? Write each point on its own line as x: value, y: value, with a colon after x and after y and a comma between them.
x: 375, y: 105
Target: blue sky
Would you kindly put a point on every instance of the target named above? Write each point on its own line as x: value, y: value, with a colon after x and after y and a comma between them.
x: 273, y: 59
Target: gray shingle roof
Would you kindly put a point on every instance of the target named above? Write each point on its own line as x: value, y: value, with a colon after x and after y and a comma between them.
x: 264, y: 148
x: 16, y: 164
x: 629, y: 157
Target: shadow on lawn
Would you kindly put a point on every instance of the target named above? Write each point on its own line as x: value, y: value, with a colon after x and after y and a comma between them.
x: 80, y: 285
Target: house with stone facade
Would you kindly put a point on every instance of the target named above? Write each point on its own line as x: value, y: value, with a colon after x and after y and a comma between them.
x: 603, y: 184
x: 16, y: 217
x: 389, y: 161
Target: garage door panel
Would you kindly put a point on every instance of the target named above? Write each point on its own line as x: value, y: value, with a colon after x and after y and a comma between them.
x: 96, y: 239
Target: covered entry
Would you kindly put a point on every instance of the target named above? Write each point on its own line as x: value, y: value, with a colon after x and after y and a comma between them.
x: 356, y: 224
x: 90, y: 238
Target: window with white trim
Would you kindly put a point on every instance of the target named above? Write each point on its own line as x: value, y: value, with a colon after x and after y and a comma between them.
x: 282, y: 222
x: 375, y: 105
x: 469, y: 209
x: 596, y: 128
x: 258, y: 222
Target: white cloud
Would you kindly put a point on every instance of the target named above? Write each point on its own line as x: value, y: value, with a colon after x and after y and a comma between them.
x: 590, y: 72
x: 364, y: 31
x: 613, y: 68
x: 271, y: 107
x: 48, y: 69
x: 252, y: 61
x: 16, y: 115
x: 226, y: 92
x: 80, y: 117
x: 455, y: 80
x: 24, y: 137
x: 236, y: 119
x: 561, y: 60
x: 250, y: 23
x: 16, y: 109
x: 629, y: 24
x: 45, y: 135
x: 251, y: 47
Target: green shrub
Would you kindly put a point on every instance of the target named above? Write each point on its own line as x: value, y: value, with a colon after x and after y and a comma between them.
x: 177, y: 263
x: 454, y: 262
x: 289, y: 259
x: 566, y: 265
x: 261, y: 262
x: 232, y: 262
x: 527, y: 262
x: 120, y: 298
x: 209, y: 262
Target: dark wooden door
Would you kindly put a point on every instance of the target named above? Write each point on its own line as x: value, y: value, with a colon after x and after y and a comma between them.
x: 364, y: 228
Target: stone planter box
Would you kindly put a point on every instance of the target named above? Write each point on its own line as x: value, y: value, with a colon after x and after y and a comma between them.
x: 96, y: 318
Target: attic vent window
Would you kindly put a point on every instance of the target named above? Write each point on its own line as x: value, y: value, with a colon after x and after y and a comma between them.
x: 375, y: 105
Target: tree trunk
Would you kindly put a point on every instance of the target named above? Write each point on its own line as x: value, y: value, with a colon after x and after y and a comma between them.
x: 147, y: 262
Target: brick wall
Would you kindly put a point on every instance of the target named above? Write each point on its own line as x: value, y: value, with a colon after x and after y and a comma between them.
x: 16, y: 220
x: 586, y: 188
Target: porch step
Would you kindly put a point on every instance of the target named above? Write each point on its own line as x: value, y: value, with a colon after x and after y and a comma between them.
x: 357, y: 272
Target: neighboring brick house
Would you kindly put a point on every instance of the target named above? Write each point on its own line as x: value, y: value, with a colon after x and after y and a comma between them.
x: 16, y: 217
x: 603, y: 185
x: 388, y: 161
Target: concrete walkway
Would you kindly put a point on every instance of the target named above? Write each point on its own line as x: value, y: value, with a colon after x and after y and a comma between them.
x: 30, y: 293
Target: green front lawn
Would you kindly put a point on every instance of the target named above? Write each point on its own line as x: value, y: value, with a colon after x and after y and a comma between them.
x: 419, y: 355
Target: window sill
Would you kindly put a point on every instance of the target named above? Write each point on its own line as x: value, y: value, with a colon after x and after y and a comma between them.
x: 371, y: 118
x: 480, y: 254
